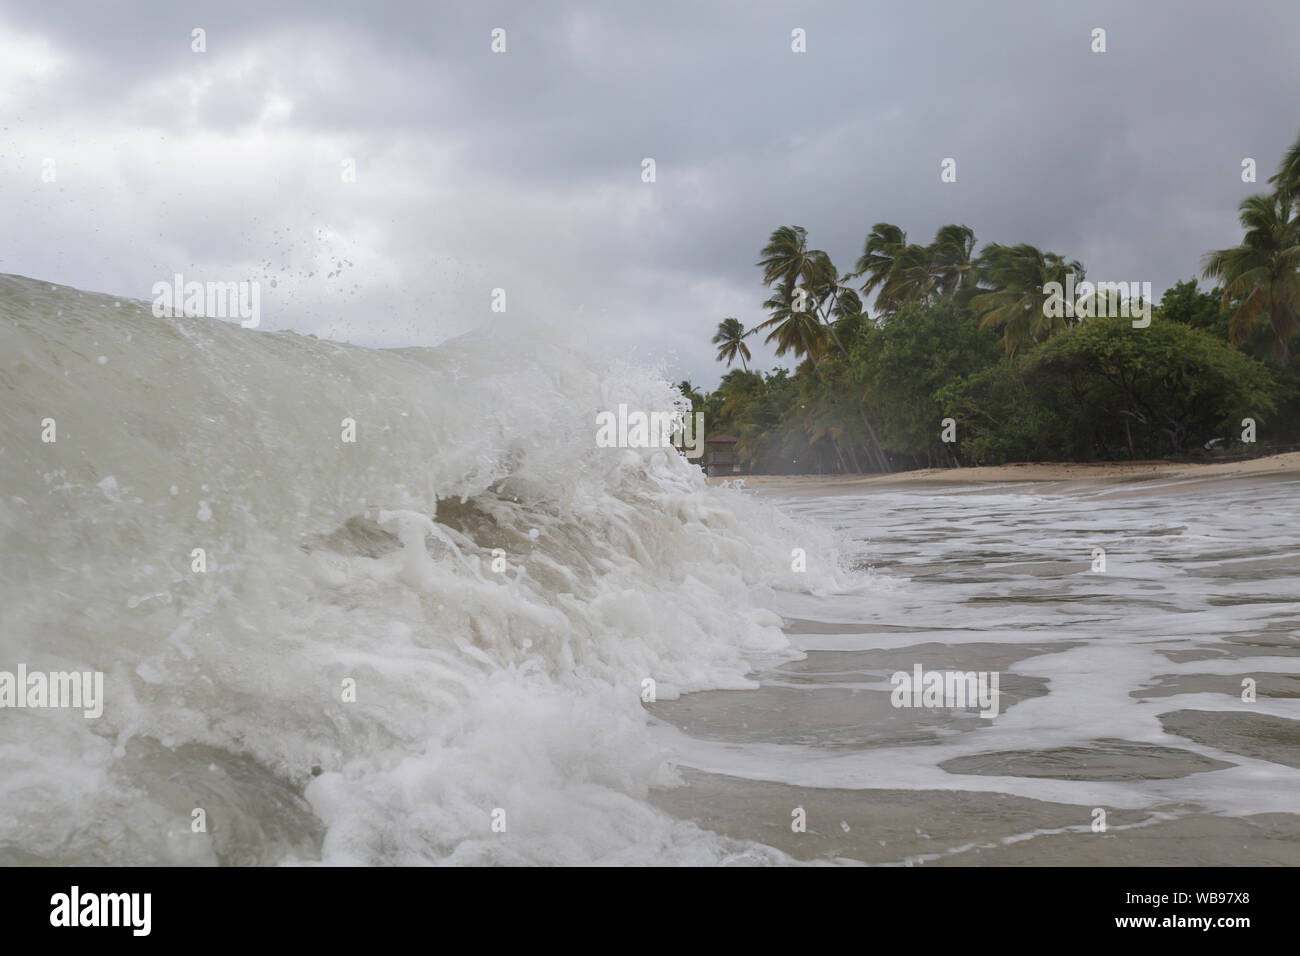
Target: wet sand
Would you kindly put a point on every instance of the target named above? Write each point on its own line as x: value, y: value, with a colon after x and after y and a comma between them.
x: 1041, y: 477
x: 1172, y: 628
x: 960, y: 828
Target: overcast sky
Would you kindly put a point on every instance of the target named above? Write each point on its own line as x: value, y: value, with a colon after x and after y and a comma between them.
x: 523, y: 170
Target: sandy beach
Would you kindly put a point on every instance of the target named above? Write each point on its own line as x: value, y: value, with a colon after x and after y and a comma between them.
x: 1123, y: 683
x: 1061, y: 476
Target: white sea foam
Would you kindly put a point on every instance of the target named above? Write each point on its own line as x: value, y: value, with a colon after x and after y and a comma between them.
x: 1200, y: 583
x: 329, y: 562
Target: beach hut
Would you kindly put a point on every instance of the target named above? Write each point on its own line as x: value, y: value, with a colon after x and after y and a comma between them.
x: 720, y: 455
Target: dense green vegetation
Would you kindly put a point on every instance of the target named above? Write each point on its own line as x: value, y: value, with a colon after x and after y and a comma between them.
x: 1011, y: 355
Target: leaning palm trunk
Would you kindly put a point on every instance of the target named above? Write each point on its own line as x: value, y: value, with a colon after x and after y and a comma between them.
x: 830, y: 327
x: 877, y: 453
x: 812, y: 357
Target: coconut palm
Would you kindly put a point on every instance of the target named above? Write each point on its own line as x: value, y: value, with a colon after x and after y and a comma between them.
x: 1017, y: 300
x: 691, y: 394
x: 793, y: 330
x: 847, y: 314
x: 730, y: 340
x: 882, y: 247
x: 911, y: 279
x: 1263, y: 273
x: 823, y: 284
x: 848, y: 305
x: 804, y: 280
x: 901, y: 272
x: 786, y: 256
x: 952, y: 257
x: 1287, y: 178
x: 807, y: 290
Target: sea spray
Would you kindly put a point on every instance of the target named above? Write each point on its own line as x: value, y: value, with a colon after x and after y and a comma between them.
x: 347, y: 678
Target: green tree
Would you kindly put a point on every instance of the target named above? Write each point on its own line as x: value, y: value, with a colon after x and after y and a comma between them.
x: 1103, y: 389
x: 1184, y: 302
x: 1167, y: 380
x: 879, y: 253
x: 691, y: 394
x: 792, y: 330
x: 1263, y: 273
x: 901, y: 273
x: 805, y: 281
x: 911, y: 279
x: 730, y: 339
x: 1002, y: 418
x: 787, y: 265
x: 953, y: 260
x: 904, y: 363
x: 807, y: 290
x: 1287, y: 178
x: 1018, y: 297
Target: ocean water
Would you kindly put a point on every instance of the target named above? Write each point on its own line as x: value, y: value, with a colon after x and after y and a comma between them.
x: 1121, y: 683
x: 435, y: 644
x: 429, y: 645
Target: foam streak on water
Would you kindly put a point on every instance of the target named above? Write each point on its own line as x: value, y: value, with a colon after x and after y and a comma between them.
x: 1122, y: 689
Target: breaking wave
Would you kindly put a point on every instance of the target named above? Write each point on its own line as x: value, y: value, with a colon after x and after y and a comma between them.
x: 427, y: 645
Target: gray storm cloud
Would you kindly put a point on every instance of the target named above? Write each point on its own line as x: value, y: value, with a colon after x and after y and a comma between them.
x: 521, y: 170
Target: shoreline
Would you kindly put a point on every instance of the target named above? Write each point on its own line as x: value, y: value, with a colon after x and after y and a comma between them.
x: 1084, y: 474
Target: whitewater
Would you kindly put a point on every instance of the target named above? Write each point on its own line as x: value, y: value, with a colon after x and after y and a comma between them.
x: 434, y: 644
x: 400, y: 607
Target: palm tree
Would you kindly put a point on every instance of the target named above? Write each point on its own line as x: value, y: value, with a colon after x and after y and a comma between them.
x: 1017, y: 301
x: 730, y: 339
x: 809, y: 300
x: 786, y: 256
x: 823, y: 284
x: 882, y: 247
x: 806, y: 290
x: 847, y: 313
x: 952, y: 256
x: 691, y: 394
x: 1263, y: 273
x: 1287, y: 178
x: 911, y: 279
x: 805, y: 280
x: 901, y: 272
x: 848, y: 305
x: 793, y: 330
